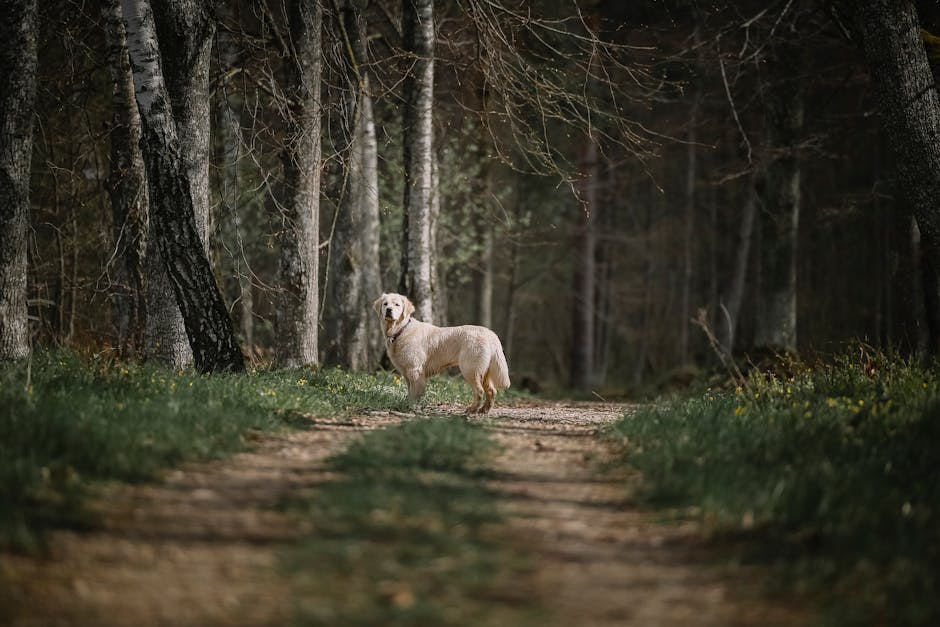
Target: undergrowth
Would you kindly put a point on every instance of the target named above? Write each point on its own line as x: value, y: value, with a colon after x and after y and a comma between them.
x: 409, y: 535
x: 69, y: 422
x: 827, y: 472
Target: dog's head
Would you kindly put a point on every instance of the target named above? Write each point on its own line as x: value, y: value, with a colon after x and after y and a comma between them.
x: 393, y: 307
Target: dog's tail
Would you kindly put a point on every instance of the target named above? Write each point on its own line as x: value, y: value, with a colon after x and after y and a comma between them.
x: 498, y: 372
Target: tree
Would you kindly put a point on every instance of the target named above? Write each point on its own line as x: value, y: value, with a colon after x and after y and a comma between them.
x: 18, y: 31
x: 186, y: 27
x: 910, y: 115
x: 127, y: 191
x: 584, y: 277
x: 296, y: 320
x: 354, y: 279
x: 173, y: 219
x: 731, y: 305
x: 780, y: 192
x: 418, y: 39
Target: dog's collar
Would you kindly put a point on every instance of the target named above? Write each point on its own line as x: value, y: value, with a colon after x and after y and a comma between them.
x: 392, y: 338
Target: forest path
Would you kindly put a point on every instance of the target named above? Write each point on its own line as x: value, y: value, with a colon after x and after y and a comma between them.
x: 199, y: 549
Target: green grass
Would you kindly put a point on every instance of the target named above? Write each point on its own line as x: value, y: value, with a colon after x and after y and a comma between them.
x: 409, y: 536
x: 828, y: 473
x: 67, y: 423
x: 447, y: 446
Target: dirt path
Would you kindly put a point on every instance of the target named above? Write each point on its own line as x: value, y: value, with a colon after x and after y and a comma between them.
x: 602, y: 561
x: 199, y: 548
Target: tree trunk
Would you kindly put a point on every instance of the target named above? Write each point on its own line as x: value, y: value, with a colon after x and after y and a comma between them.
x: 186, y: 27
x: 643, y: 324
x: 776, y: 313
x: 910, y: 114
x: 484, y: 315
x: 582, y: 306
x: 731, y: 311
x: 908, y: 334
x: 354, y: 280
x: 685, y: 322
x: 18, y: 31
x: 604, y: 288
x: 484, y: 228
x: 514, y: 234
x: 127, y: 189
x: 418, y: 39
x: 296, y: 321
x: 438, y: 278
x: 173, y: 218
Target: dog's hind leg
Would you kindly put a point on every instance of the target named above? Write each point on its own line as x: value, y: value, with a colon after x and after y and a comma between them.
x: 490, y: 390
x: 476, y: 382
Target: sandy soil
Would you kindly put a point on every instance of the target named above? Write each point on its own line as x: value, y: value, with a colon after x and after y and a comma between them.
x: 199, y: 548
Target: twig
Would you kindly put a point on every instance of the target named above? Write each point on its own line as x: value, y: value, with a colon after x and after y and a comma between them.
x: 701, y: 320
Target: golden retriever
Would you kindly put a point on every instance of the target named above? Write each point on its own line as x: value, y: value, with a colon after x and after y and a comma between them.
x: 420, y: 350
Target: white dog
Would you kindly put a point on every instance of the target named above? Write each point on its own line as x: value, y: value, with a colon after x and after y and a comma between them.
x: 420, y: 350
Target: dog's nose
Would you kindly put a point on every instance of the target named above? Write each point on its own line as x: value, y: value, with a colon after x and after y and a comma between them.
x: 388, y: 312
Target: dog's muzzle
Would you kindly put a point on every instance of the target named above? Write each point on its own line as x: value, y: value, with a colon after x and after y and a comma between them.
x: 388, y: 313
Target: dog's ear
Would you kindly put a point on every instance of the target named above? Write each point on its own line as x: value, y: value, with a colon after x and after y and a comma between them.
x: 409, y: 308
x: 377, y: 305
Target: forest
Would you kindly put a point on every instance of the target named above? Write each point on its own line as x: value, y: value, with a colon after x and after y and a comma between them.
x: 597, y: 181
x: 705, y: 234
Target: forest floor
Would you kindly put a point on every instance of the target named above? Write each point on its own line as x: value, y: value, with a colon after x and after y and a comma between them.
x: 200, y: 548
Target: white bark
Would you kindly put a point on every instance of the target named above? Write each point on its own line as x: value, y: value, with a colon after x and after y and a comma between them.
x: 418, y: 27
x: 127, y: 190
x: 176, y: 236
x: 296, y: 323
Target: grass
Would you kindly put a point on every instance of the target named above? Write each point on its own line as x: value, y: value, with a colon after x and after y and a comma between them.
x: 828, y: 473
x: 69, y: 422
x: 409, y: 536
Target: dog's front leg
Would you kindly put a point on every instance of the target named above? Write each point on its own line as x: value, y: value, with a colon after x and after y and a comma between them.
x: 416, y: 385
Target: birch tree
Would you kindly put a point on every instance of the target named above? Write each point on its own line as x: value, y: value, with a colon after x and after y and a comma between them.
x: 418, y: 39
x: 127, y: 191
x: 18, y: 31
x: 186, y: 27
x: 174, y: 225
x: 354, y: 279
x: 296, y: 321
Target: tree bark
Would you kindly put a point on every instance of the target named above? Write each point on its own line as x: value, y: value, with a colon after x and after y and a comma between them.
x: 187, y: 28
x: 355, y: 281
x: 173, y: 218
x: 776, y: 318
x: 512, y: 288
x: 485, y: 233
x: 685, y: 322
x: 296, y: 320
x: 438, y: 272
x: 583, y: 285
x: 484, y: 227
x: 907, y: 333
x: 127, y: 190
x: 18, y: 31
x: 731, y: 311
x: 418, y: 37
x: 910, y: 115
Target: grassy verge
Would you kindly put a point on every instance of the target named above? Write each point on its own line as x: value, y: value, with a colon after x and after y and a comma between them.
x: 828, y: 473
x: 68, y: 422
x: 409, y: 536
